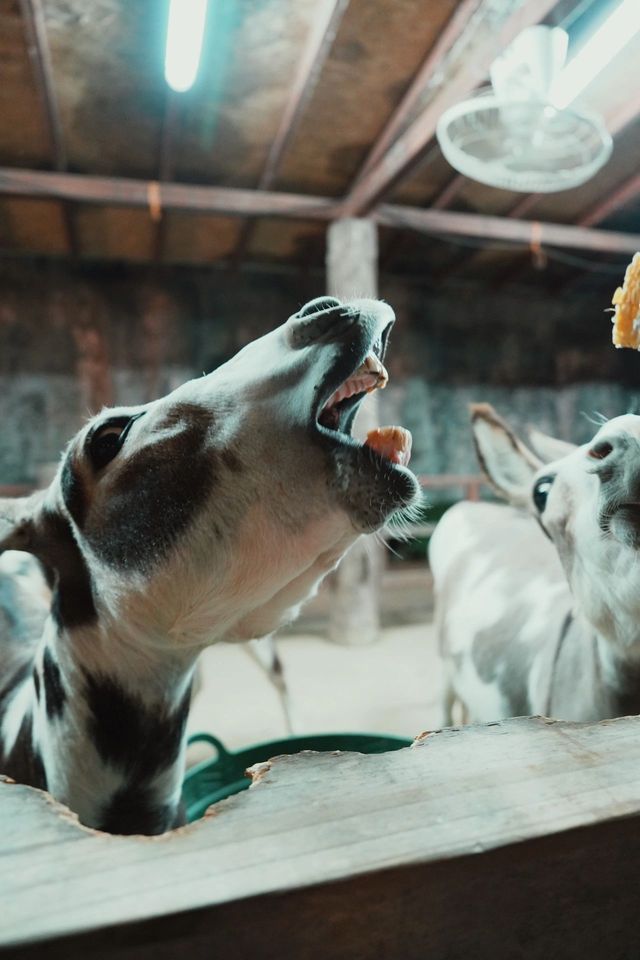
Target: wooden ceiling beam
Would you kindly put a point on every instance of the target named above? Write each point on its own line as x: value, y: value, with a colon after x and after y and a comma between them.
x: 429, y: 68
x: 229, y: 201
x: 40, y: 57
x: 122, y: 191
x: 449, y: 193
x: 398, y: 161
x: 624, y: 193
x: 448, y: 223
x: 321, y: 37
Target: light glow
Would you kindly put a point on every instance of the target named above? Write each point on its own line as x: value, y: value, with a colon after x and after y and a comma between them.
x: 185, y: 30
x: 599, y: 50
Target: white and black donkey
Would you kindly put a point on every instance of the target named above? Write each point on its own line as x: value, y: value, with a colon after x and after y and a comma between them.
x: 210, y: 514
x: 544, y: 617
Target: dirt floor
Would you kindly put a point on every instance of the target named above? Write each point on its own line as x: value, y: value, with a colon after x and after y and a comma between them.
x: 391, y: 686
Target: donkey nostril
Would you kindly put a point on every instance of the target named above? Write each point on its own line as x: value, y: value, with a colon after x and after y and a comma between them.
x: 599, y: 451
x: 318, y: 306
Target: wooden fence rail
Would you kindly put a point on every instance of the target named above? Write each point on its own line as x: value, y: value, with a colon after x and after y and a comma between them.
x: 516, y: 839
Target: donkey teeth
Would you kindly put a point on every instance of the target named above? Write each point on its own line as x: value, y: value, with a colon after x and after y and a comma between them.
x: 374, y: 366
x: 392, y: 443
x: 370, y: 375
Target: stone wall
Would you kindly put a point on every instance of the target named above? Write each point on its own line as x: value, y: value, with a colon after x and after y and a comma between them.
x: 76, y: 337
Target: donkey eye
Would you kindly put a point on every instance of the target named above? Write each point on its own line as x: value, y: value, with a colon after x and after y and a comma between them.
x: 106, y: 441
x: 541, y: 492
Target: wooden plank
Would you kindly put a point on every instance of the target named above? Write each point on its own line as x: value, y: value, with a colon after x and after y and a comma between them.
x: 321, y: 36
x: 40, y: 56
x: 449, y: 193
x: 36, y: 35
x: 567, y: 897
x: 626, y: 192
x: 431, y: 64
x: 323, y: 31
x: 427, y: 815
x: 407, y: 149
x: 506, y: 229
x: 173, y: 196
x: 238, y: 202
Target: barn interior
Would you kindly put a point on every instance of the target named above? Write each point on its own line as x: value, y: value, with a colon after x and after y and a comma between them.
x: 156, y: 216
x: 146, y: 234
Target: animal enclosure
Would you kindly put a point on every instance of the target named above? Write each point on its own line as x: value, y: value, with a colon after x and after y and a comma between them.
x: 312, y: 426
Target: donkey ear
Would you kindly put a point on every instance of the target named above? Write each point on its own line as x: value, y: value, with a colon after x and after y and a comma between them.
x: 18, y: 517
x: 508, y: 464
x: 549, y: 448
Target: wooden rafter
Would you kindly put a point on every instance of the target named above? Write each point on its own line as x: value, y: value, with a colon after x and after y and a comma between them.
x: 40, y: 57
x: 409, y: 147
x: 321, y: 36
x: 449, y: 193
x: 626, y: 192
x: 446, y: 222
x: 172, y: 196
x: 228, y: 201
x: 432, y: 62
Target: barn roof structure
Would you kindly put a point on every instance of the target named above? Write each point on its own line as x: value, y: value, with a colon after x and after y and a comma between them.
x: 303, y: 111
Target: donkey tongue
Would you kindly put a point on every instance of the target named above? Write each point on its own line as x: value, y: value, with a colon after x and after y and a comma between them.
x: 392, y: 443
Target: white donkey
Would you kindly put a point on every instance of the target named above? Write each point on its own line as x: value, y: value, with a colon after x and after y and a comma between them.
x: 544, y: 617
x: 210, y: 514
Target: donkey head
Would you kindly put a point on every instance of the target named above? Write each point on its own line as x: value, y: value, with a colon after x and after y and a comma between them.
x: 586, y: 499
x: 214, y: 511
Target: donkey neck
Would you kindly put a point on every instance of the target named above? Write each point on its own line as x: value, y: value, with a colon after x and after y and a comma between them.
x: 592, y: 676
x: 620, y: 671
x: 101, y: 728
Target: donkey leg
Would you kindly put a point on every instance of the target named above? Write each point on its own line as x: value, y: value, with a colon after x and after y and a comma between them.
x: 265, y: 654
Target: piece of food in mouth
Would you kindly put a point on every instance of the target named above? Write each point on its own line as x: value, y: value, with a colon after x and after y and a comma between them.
x: 626, y: 300
x: 392, y: 443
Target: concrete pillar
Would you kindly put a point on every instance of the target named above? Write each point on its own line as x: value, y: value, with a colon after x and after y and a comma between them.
x: 352, y: 271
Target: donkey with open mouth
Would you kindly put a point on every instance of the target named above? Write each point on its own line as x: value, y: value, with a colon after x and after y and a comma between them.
x: 210, y: 514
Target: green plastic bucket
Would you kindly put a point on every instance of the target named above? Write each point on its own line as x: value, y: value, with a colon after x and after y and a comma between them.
x: 213, y: 780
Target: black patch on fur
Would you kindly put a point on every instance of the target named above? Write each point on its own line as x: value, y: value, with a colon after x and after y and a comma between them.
x: 134, y: 809
x: 157, y: 493
x: 23, y: 763
x: 18, y: 677
x: 72, y: 604
x: 55, y: 694
x: 627, y: 701
x: 500, y: 657
x: 140, y: 742
x: 232, y: 461
x: 136, y: 739
x: 36, y: 682
x: 73, y: 492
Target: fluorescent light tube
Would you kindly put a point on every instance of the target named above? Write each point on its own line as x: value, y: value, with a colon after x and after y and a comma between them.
x: 597, y: 53
x: 185, y: 30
